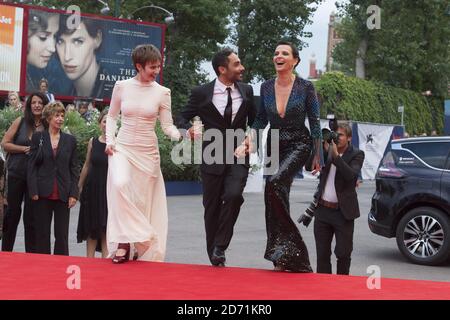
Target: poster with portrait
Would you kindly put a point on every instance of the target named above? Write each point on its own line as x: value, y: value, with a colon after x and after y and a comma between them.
x: 83, y: 58
x: 11, y: 26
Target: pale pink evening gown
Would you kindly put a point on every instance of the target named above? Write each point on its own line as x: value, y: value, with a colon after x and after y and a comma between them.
x: 137, y: 206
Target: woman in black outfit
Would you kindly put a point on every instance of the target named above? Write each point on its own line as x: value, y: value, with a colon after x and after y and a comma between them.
x: 16, y: 143
x: 52, y: 180
x: 285, y: 103
x: 94, y: 210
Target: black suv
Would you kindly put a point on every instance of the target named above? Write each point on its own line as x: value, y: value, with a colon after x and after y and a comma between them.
x: 412, y: 198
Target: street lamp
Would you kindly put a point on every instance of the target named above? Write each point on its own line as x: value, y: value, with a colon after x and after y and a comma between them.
x: 168, y: 20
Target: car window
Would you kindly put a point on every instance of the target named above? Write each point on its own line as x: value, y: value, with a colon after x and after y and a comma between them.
x: 432, y: 153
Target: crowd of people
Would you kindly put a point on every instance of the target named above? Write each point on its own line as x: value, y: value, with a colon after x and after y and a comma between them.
x: 123, y: 210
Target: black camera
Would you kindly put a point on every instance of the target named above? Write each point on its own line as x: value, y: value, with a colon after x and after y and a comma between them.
x: 329, y: 135
x: 307, y: 216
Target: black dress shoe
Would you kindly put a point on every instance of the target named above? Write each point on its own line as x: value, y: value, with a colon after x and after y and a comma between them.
x: 218, y: 257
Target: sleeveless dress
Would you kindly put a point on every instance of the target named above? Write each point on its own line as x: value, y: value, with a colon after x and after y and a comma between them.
x: 94, y: 209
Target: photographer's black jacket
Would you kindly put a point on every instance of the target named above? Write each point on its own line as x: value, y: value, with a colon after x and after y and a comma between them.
x: 347, y: 171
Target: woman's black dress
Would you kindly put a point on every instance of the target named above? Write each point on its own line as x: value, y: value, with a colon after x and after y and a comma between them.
x: 285, y: 246
x: 94, y: 210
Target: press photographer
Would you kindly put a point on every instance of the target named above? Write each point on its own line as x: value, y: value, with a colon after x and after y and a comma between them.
x: 336, y: 204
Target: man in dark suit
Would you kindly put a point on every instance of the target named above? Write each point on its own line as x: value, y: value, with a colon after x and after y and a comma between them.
x: 337, y: 203
x: 226, y: 106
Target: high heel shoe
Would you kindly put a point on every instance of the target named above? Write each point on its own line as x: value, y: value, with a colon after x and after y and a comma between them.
x: 124, y: 258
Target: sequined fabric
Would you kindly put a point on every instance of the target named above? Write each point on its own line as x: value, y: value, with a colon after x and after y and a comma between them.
x: 302, y: 102
x: 285, y: 246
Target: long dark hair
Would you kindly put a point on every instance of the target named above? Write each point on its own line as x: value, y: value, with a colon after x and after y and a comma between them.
x: 28, y: 114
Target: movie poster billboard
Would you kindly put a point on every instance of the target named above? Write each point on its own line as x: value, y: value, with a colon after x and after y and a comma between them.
x: 83, y: 58
x: 11, y: 27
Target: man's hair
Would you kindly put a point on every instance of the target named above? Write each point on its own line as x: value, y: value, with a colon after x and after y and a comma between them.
x: 51, y: 110
x: 43, y: 80
x: 145, y: 53
x: 346, y: 127
x: 220, y: 59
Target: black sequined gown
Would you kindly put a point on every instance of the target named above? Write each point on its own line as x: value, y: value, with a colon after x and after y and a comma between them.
x: 285, y: 246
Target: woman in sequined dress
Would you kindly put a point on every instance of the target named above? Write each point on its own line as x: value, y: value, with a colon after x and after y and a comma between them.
x: 285, y: 102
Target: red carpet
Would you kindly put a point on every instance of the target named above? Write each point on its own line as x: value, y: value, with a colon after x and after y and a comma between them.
x: 33, y: 276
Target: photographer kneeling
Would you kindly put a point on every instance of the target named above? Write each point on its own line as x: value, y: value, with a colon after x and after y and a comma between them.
x: 336, y: 204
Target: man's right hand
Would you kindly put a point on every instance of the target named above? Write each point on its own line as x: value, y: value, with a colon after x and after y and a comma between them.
x: 194, y: 134
x: 35, y: 197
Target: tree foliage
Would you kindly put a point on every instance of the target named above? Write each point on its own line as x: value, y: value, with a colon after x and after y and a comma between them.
x: 411, y: 50
x: 350, y: 98
x: 260, y: 24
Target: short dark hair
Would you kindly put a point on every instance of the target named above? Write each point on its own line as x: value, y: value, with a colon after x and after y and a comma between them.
x: 145, y: 53
x: 294, y: 49
x: 220, y: 59
x: 43, y: 80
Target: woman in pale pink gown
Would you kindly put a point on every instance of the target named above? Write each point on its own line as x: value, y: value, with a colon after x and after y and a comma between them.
x: 137, y: 206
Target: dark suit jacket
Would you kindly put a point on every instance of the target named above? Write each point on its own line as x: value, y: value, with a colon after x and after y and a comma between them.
x: 63, y: 167
x: 200, y: 104
x: 347, y: 171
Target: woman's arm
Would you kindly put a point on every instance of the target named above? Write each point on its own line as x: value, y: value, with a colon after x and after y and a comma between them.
x: 7, y: 141
x: 111, y: 117
x: 165, y: 117
x: 313, y: 112
x: 32, y: 170
x: 85, y: 169
x: 74, y: 172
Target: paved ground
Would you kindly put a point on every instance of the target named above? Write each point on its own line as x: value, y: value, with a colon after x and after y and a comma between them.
x: 186, y: 242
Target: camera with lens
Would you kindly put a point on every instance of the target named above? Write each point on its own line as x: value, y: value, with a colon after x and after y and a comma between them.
x: 329, y: 135
x: 307, y: 216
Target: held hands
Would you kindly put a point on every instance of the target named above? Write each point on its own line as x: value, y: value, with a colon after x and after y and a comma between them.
x: 35, y: 197
x: 110, y: 149
x: 72, y: 202
x: 245, y: 148
x: 316, y: 164
x: 26, y: 150
x: 195, y: 132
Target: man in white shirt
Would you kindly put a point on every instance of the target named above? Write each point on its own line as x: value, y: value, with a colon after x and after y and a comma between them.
x: 337, y: 203
x: 225, y: 105
x: 43, y: 88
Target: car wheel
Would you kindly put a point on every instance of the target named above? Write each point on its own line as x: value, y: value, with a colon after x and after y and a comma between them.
x: 423, y: 236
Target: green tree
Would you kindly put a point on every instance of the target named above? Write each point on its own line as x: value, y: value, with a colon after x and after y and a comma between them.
x: 411, y: 50
x: 200, y: 25
x: 260, y: 24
